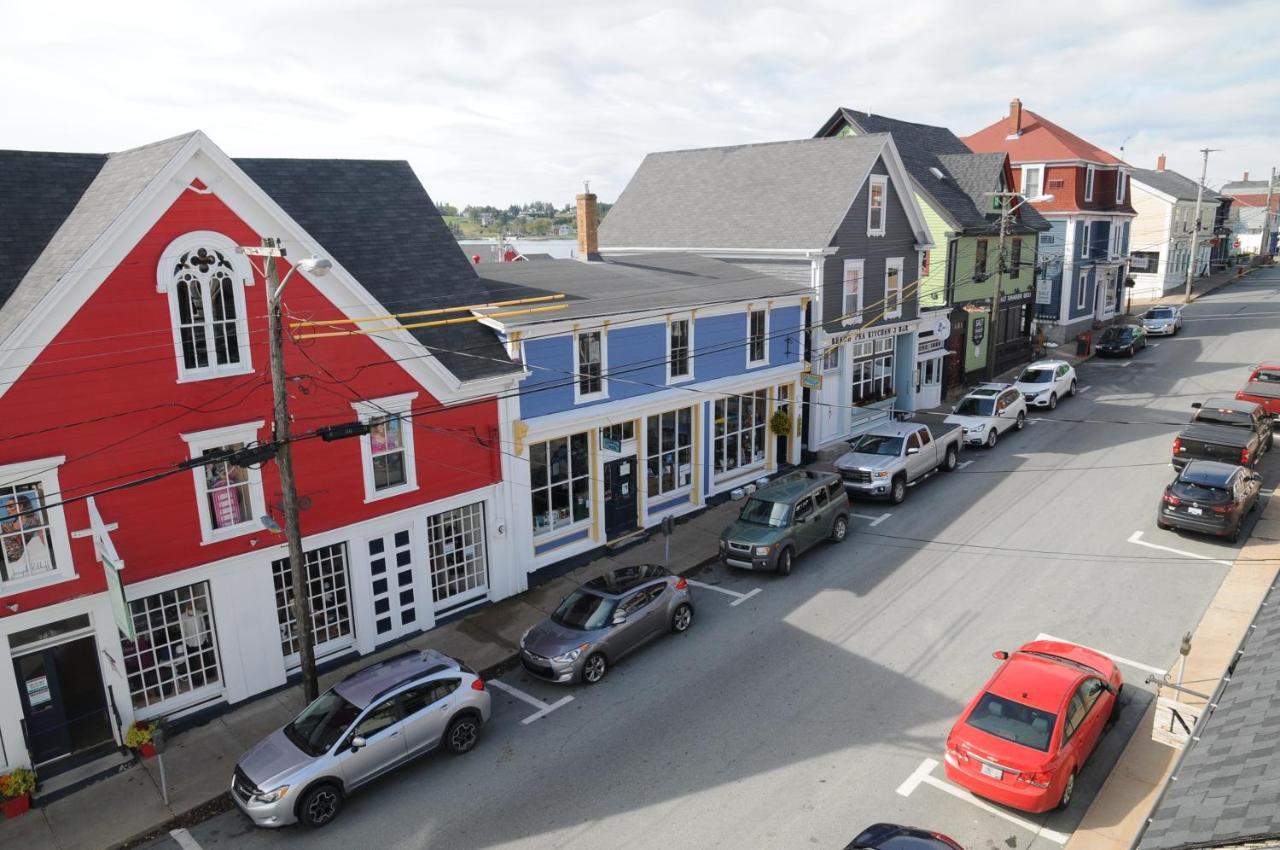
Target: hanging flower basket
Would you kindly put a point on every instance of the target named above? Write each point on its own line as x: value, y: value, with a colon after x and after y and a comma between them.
x: 139, y: 738
x: 15, y: 789
x: 780, y: 423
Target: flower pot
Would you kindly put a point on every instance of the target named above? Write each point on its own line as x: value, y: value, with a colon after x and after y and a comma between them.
x: 15, y: 806
x: 147, y: 750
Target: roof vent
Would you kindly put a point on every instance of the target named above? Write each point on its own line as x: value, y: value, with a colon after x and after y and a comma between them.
x: 937, y: 172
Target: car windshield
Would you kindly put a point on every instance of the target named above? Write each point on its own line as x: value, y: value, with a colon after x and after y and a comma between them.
x: 1160, y: 313
x: 322, y: 723
x: 584, y: 611
x: 1268, y: 376
x: 1013, y: 721
x: 970, y: 406
x: 877, y: 444
x: 1114, y: 334
x: 1193, y: 492
x: 1036, y: 376
x: 765, y: 512
x: 1218, y: 416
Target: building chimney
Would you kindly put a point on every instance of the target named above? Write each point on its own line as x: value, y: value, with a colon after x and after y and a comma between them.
x: 1015, y: 118
x: 588, y: 223
x: 1245, y: 177
x: 1160, y: 163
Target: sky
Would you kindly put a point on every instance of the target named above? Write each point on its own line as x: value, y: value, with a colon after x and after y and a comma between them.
x: 501, y: 103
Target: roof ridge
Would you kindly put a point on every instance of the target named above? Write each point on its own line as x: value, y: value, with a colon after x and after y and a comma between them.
x: 823, y: 140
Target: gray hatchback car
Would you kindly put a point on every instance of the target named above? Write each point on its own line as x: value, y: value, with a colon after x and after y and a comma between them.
x: 605, y: 619
x: 366, y: 725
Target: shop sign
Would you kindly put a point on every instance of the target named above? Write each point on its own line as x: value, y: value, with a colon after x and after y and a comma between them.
x: 610, y: 444
x: 38, y: 691
x: 979, y: 329
x: 1174, y: 721
x: 1044, y: 290
x: 872, y: 333
x: 810, y: 381
x: 929, y: 345
x: 112, y: 565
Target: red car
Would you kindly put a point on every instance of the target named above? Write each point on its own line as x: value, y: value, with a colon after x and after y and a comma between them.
x: 1024, y: 738
x: 1264, y: 387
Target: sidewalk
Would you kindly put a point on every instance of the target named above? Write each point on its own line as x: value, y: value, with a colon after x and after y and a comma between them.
x: 199, y: 761
x: 1200, y: 287
x: 1126, y: 798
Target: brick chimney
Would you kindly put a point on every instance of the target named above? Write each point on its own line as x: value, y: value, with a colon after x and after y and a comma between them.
x: 1015, y: 118
x: 1160, y: 163
x: 588, y: 224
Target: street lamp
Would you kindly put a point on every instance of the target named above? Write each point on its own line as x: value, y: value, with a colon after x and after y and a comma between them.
x: 1005, y: 213
x: 315, y: 266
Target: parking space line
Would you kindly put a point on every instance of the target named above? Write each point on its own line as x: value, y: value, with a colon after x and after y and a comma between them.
x: 917, y: 776
x: 1136, y: 538
x: 184, y: 839
x: 544, y: 708
x: 1035, y: 829
x: 875, y: 520
x: 1127, y: 662
x: 964, y: 464
x: 738, y: 598
x: 1084, y: 389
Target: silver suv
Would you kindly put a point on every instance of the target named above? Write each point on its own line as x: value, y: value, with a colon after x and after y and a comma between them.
x: 366, y: 725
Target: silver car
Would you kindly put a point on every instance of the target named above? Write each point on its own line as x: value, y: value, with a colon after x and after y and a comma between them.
x: 1162, y: 320
x: 366, y: 725
x: 605, y: 619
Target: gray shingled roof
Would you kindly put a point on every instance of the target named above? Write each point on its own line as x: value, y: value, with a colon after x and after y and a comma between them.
x: 1228, y: 783
x: 120, y: 178
x: 1172, y: 183
x: 775, y: 195
x: 632, y: 283
x: 1244, y: 187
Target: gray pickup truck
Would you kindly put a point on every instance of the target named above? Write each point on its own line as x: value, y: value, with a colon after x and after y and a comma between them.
x: 882, y: 462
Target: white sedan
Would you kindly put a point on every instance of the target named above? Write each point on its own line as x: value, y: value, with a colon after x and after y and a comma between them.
x: 987, y: 412
x: 1162, y: 320
x: 1045, y: 382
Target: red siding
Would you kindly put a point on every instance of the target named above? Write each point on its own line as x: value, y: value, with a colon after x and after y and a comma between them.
x: 130, y: 381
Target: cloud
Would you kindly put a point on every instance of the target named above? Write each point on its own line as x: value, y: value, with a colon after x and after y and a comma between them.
x: 507, y: 102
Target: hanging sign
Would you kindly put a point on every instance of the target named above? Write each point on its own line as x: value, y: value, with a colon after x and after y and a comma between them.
x: 979, y: 329
x: 112, y: 565
x: 811, y: 381
x: 1174, y: 721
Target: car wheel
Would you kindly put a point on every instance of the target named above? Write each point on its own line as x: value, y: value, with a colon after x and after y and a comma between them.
x: 784, y: 562
x: 1053, y: 401
x: 1071, y: 392
x: 898, y: 490
x: 992, y: 437
x: 594, y: 668
x: 1234, y: 534
x: 1020, y: 422
x: 1132, y: 350
x: 1162, y: 525
x: 320, y: 805
x: 1068, y: 791
x: 682, y: 619
x: 950, y: 460
x: 839, y: 528
x: 462, y: 734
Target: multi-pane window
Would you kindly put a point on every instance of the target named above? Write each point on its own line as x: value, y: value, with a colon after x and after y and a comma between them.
x: 669, y: 449
x: 1015, y: 264
x: 226, y: 488
x: 174, y: 651
x: 831, y: 359
x: 872, y: 370
x: 387, y: 452
x: 757, y: 334
x: 893, y: 288
x: 327, y: 590
x: 456, y: 552
x: 620, y: 433
x: 740, y: 430
x: 878, y: 189
x: 678, y: 350
x: 979, y: 259
x: 589, y: 365
x: 1032, y: 180
x: 25, y: 533
x: 852, y: 290
x: 387, y: 449
x: 208, y: 328
x: 560, y: 482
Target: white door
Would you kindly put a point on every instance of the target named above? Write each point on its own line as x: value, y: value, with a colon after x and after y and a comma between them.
x: 928, y: 383
x: 391, y: 585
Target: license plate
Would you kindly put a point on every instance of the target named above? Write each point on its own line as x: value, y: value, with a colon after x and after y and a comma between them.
x: 993, y: 772
x: 1195, y: 511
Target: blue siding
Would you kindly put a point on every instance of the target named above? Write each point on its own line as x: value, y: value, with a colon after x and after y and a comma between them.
x: 1053, y: 242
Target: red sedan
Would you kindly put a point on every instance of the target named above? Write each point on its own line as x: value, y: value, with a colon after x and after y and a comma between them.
x: 1026, y: 735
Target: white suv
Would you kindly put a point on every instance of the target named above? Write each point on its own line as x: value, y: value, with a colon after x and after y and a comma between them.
x: 988, y: 411
x: 1045, y: 382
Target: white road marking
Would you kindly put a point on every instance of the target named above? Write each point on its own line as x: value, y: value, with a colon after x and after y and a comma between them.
x: 1154, y: 344
x: 1127, y: 662
x: 1084, y: 389
x: 1136, y: 537
x: 963, y: 465
x: 543, y: 708
x: 917, y: 776
x: 184, y: 839
x: 738, y: 598
x: 875, y: 520
x: 1035, y: 829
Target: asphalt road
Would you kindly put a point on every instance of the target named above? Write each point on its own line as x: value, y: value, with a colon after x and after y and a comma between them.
x: 794, y: 718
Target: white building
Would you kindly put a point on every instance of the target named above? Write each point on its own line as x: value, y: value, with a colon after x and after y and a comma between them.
x: 1160, y: 244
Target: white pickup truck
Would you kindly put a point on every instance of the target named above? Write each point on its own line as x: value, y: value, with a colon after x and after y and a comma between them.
x: 882, y: 462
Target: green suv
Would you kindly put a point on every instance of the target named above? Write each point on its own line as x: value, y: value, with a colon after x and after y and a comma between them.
x: 784, y: 518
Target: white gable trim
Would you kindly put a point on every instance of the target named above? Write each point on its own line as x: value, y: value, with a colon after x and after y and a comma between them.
x: 200, y: 159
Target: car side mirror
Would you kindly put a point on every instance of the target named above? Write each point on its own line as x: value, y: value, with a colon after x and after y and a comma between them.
x: 619, y: 617
x: 1195, y: 405
x: 954, y: 408
x: 1256, y: 477
x: 358, y: 743
x: 1000, y: 655
x: 913, y: 451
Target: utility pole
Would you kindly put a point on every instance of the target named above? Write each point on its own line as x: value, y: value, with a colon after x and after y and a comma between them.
x: 1195, y: 227
x: 993, y: 334
x: 1264, y: 247
x: 289, y: 492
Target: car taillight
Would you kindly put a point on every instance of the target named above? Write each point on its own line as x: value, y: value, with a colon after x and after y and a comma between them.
x: 1222, y: 509
x: 1170, y: 499
x: 477, y: 684
x: 682, y: 584
x: 1039, y: 778
x: 1177, y: 444
x: 1244, y: 457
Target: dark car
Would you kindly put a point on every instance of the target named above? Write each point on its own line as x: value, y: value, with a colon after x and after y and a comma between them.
x: 1210, y: 497
x: 891, y: 836
x: 1121, y: 339
x: 1227, y: 444
x: 1236, y: 413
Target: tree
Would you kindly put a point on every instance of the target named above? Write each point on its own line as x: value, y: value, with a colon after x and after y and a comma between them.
x: 446, y: 209
x: 539, y: 227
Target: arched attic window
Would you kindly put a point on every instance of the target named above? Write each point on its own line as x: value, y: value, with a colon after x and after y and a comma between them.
x: 205, y: 280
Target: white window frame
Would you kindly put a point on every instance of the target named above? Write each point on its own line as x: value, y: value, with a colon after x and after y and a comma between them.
x: 764, y: 359
x: 830, y: 361
x: 603, y: 392
x: 1082, y: 286
x: 894, y: 263
x: 1085, y: 234
x: 379, y: 408
x: 242, y: 272
x: 1119, y: 185
x: 1026, y: 187
x: 882, y: 181
x: 198, y: 442
x: 688, y: 375
x: 1089, y: 176
x: 853, y: 316
x: 45, y: 473
x: 570, y: 524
